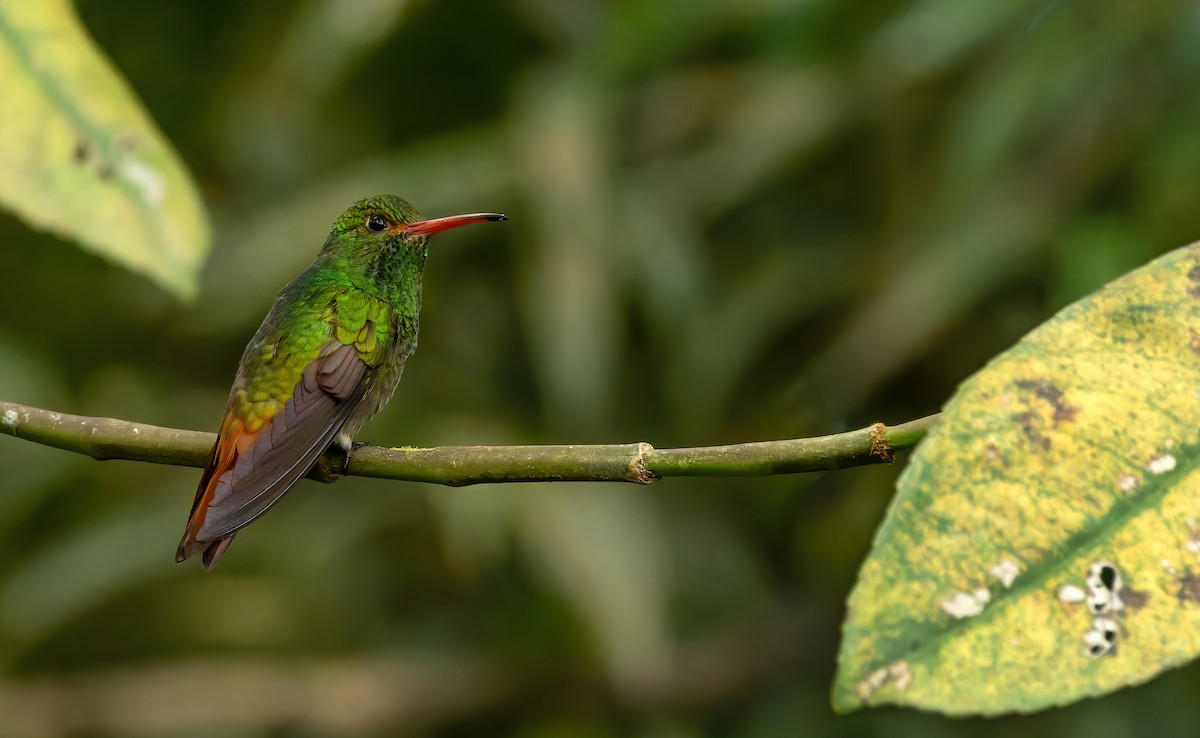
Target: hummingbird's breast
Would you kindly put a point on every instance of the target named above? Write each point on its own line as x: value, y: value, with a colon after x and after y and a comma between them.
x: 387, y: 374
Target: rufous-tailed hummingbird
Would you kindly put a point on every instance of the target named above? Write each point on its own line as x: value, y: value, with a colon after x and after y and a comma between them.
x: 326, y: 358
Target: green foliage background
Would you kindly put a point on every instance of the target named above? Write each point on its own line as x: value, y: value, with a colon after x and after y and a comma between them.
x: 730, y: 221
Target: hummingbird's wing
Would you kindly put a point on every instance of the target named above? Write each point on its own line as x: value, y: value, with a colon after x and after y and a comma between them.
x: 250, y: 471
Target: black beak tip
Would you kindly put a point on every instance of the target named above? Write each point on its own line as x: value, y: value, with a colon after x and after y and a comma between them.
x: 497, y: 217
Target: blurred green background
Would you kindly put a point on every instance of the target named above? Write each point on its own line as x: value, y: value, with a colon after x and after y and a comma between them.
x: 731, y: 220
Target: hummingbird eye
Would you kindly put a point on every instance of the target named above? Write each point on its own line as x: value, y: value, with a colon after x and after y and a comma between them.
x: 376, y: 223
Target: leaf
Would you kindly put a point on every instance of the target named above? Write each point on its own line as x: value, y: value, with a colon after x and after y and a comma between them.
x: 80, y: 158
x: 1044, y: 543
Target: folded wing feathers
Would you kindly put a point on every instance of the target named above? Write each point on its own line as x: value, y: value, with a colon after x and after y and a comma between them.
x: 326, y: 395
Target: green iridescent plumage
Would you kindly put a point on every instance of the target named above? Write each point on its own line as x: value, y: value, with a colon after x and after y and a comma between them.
x: 326, y: 358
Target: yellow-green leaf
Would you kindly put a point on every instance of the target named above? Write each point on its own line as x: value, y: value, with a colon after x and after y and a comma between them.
x: 80, y: 158
x: 1044, y: 542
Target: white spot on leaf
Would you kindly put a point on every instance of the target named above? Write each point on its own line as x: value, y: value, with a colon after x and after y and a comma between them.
x: 1104, y: 588
x: 148, y: 182
x: 1193, y: 542
x: 1104, y: 575
x: 1127, y: 482
x: 966, y: 605
x: 1094, y: 644
x: 1161, y: 464
x: 1101, y: 601
x: 1108, y: 626
x: 1101, y: 638
x: 902, y: 675
x: 11, y: 417
x: 872, y: 683
x: 1006, y: 571
x: 899, y: 674
x: 1071, y: 594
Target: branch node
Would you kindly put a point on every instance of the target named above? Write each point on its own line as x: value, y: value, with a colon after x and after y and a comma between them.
x: 880, y: 448
x: 639, y: 472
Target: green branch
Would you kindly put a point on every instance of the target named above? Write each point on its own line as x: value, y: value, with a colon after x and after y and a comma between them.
x: 641, y: 463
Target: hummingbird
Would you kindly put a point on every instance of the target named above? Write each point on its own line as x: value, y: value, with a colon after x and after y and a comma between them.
x: 327, y: 357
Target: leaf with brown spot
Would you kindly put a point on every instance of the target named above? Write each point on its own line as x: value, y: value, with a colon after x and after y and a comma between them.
x: 81, y: 159
x: 1194, y: 275
x: 1079, y: 445
x: 1189, y: 588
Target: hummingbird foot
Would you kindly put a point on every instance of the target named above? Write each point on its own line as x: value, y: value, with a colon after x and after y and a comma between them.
x: 349, y: 452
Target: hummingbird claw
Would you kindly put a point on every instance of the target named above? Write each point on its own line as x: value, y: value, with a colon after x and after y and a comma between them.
x: 349, y: 452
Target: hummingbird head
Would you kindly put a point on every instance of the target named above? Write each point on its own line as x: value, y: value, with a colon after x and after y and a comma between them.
x: 387, y: 223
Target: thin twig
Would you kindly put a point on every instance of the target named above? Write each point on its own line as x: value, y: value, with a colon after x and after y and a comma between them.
x: 641, y: 463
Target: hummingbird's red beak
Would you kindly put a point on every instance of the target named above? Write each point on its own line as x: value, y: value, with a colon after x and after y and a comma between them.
x: 437, y: 225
